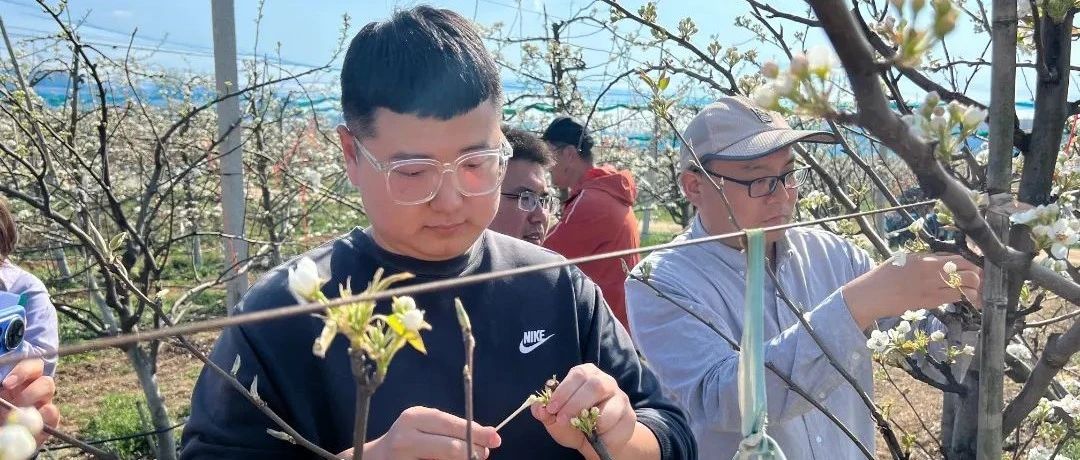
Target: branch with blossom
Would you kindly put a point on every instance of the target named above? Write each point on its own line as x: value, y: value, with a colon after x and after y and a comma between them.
x: 374, y: 338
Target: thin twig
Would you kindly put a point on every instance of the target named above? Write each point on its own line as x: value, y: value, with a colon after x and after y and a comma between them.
x: 467, y: 373
x: 55, y: 432
x: 598, y: 446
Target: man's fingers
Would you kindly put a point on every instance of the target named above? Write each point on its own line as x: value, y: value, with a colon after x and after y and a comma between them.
x: 51, y: 415
x: 540, y: 413
x: 969, y: 279
x: 566, y: 389
x: 38, y: 393
x: 590, y: 393
x: 436, y: 422
x: 438, y: 447
x: 25, y: 371
x: 612, y: 411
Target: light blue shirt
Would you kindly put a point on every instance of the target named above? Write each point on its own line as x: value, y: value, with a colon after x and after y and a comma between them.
x: 699, y: 369
x: 41, y: 336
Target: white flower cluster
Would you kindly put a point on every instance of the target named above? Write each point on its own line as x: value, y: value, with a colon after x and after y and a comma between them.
x: 1070, y: 404
x: 805, y: 83
x: 948, y: 125
x: 1043, y: 452
x: 814, y: 200
x: 906, y: 339
x: 1053, y: 226
x: 17, y: 435
x: 1067, y: 173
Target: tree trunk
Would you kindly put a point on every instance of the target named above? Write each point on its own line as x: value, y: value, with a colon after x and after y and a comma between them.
x: 159, y: 414
x: 1052, y: 64
x: 966, y: 407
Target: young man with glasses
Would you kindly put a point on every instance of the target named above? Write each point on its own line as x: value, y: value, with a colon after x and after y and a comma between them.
x: 742, y: 155
x: 422, y: 144
x: 598, y: 216
x: 527, y: 206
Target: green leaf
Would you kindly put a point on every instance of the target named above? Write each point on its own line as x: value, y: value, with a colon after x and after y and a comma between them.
x: 648, y: 80
x: 118, y: 241
x: 663, y: 83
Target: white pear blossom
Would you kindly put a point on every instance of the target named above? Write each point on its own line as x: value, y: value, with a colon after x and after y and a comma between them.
x: 937, y: 336
x: 784, y: 84
x: 819, y: 60
x: 1070, y: 404
x: 913, y: 316
x: 904, y: 327
x: 1025, y: 217
x: 949, y: 267
x: 932, y: 98
x: 968, y: 350
x: 973, y: 117
x: 878, y: 341
x: 413, y: 319
x: 28, y: 417
x: 1062, y: 237
x: 16, y: 442
x: 404, y: 303
x: 304, y: 280
x: 939, y: 122
x: 1018, y: 351
x: 765, y: 95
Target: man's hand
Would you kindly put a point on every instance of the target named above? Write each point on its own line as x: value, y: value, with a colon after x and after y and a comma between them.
x: 27, y: 386
x: 429, y: 434
x: 586, y: 386
x: 920, y: 282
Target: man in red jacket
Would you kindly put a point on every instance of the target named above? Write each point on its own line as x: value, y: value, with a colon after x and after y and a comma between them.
x: 598, y: 217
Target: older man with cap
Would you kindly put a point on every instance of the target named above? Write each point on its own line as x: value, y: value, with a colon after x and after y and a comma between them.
x: 742, y: 152
x: 598, y: 217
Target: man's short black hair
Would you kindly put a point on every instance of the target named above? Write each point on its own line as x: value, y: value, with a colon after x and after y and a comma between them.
x: 423, y: 61
x: 528, y: 147
x: 567, y: 130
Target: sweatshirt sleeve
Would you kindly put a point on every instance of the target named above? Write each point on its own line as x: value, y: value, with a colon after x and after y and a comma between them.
x: 607, y: 344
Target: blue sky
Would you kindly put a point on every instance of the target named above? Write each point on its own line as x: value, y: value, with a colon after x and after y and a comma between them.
x: 308, y: 30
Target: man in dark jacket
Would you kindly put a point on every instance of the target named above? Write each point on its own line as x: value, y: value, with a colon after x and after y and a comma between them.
x: 599, y: 216
x: 421, y: 99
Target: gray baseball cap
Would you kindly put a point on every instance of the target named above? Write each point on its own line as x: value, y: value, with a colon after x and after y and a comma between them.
x: 733, y: 128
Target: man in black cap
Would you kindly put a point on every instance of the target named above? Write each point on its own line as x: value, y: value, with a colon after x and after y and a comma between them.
x: 599, y: 216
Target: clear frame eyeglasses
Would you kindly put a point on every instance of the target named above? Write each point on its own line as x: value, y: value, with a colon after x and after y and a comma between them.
x: 528, y: 201
x: 417, y: 181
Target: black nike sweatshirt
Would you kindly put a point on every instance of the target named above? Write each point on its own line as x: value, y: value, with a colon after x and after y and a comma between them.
x: 527, y: 328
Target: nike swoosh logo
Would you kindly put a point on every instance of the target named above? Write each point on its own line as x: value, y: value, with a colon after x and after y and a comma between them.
x: 525, y: 349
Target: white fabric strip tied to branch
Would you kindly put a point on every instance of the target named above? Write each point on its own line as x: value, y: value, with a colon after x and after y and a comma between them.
x: 756, y: 443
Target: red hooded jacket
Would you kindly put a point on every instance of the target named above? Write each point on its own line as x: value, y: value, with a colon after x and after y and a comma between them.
x: 598, y: 218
